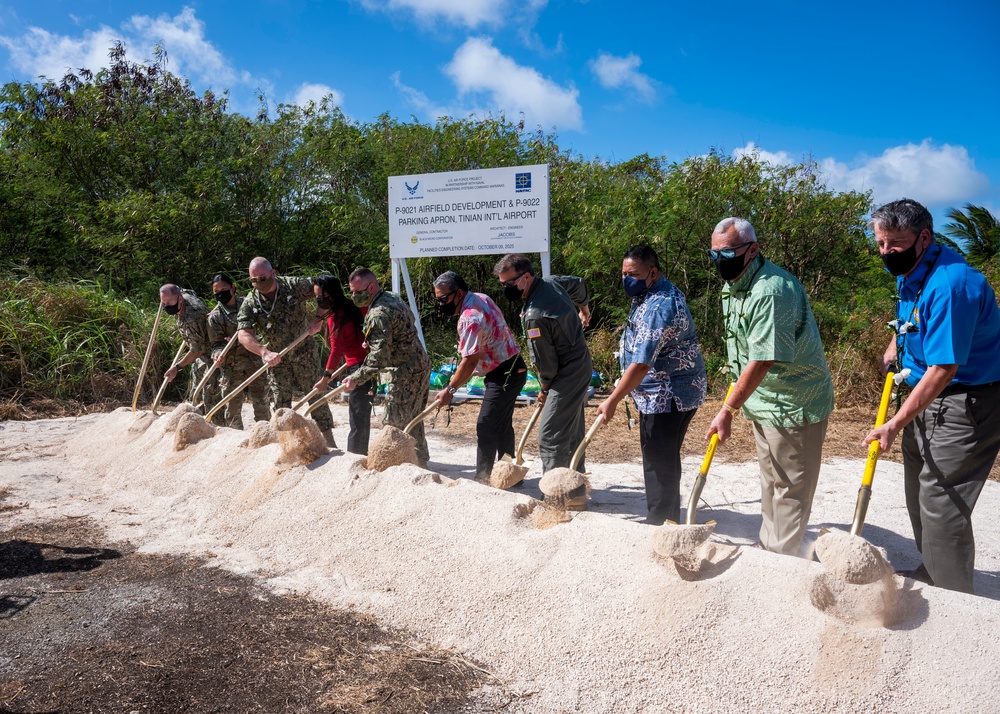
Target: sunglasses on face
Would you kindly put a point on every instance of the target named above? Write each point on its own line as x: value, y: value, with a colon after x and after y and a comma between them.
x: 442, y: 299
x: 260, y: 279
x: 715, y: 255
x: 512, y: 282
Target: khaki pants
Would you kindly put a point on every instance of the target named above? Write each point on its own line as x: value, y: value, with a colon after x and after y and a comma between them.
x: 789, y: 459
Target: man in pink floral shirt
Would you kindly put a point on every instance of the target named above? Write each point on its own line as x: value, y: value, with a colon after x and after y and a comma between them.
x: 487, y: 348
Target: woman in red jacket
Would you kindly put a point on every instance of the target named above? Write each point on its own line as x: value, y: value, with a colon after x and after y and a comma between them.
x: 344, y: 321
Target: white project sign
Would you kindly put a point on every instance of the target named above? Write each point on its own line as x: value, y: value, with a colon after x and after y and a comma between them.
x: 469, y: 212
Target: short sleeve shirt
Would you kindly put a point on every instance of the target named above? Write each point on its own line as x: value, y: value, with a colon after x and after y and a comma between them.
x: 956, y: 315
x: 660, y: 333
x: 483, y: 331
x: 767, y: 317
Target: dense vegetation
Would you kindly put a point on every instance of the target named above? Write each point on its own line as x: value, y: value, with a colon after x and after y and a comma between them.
x: 111, y: 184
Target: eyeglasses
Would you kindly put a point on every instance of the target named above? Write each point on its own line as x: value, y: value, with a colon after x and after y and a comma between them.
x: 727, y: 253
x: 362, y: 291
x: 442, y: 299
x: 260, y: 279
x: 512, y: 282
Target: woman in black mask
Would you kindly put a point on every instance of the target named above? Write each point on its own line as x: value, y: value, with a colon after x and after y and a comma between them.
x: 344, y: 321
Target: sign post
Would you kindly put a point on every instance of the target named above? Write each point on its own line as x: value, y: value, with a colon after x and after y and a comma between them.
x: 480, y: 212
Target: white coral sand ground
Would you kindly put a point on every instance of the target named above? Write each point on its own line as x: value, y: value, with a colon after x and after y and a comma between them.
x: 579, y: 617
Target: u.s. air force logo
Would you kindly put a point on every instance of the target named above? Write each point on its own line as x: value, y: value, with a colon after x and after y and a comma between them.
x: 412, y: 189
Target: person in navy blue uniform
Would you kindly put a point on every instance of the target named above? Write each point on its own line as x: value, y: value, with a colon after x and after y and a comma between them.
x: 947, y: 334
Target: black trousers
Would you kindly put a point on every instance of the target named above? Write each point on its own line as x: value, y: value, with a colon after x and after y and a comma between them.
x: 494, y: 429
x: 660, y: 437
x: 359, y: 410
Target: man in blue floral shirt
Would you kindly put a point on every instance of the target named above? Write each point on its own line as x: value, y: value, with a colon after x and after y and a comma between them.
x: 663, y: 368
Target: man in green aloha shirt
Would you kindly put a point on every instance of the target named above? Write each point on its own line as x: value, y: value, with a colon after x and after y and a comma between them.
x: 784, y: 386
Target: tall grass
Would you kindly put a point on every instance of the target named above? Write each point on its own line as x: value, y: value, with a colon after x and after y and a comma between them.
x: 73, y: 342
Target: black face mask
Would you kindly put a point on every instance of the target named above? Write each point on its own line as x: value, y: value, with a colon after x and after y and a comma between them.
x: 324, y: 303
x: 447, y: 308
x: 730, y: 268
x: 224, y: 297
x: 902, y: 262
x: 172, y: 309
x: 512, y: 292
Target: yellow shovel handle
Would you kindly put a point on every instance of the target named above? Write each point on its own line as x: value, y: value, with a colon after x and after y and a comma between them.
x: 874, y: 448
x: 714, y: 441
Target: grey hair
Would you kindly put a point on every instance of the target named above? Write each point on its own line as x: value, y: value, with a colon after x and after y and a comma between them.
x: 742, y: 226
x: 514, y: 261
x: 170, y: 289
x: 450, y: 280
x: 901, y: 215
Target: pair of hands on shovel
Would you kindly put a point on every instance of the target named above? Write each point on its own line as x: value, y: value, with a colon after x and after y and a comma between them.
x: 171, y: 373
x: 250, y: 342
x: 936, y: 378
x: 631, y: 378
x: 465, y: 369
x: 749, y: 379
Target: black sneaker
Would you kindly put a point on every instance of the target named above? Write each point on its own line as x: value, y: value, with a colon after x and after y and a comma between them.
x: 919, y: 574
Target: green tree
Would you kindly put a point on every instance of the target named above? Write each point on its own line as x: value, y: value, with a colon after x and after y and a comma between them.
x: 974, y: 232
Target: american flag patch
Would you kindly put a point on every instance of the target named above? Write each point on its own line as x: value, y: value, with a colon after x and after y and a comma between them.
x: 534, y: 333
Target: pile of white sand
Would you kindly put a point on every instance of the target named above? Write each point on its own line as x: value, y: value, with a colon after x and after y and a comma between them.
x: 581, y: 616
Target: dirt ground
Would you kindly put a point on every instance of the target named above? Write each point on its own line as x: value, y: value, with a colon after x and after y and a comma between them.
x: 92, y: 626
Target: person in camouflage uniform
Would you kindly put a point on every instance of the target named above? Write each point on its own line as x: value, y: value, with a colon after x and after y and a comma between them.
x: 393, y: 347
x: 239, y: 363
x: 279, y: 309
x: 191, y: 317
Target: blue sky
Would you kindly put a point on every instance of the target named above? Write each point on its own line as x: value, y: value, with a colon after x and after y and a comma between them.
x: 900, y: 98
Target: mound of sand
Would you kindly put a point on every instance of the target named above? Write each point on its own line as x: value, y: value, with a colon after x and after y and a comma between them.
x: 261, y: 434
x: 300, y: 438
x: 671, y: 540
x: 391, y: 448
x: 506, y: 474
x: 172, y: 419
x: 565, y: 488
x: 872, y: 604
x: 851, y: 558
x: 191, y: 428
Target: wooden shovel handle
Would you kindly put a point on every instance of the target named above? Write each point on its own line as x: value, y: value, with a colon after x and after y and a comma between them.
x: 578, y: 454
x: 249, y: 380
x: 422, y: 415
x: 163, y: 386
x: 145, y: 360
x: 213, y: 367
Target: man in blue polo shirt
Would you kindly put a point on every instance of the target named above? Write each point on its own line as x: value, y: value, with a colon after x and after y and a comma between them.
x: 948, y: 334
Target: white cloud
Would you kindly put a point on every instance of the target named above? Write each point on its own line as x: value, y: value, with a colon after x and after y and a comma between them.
x: 478, y: 67
x: 935, y: 176
x: 315, y: 93
x: 419, y: 100
x: 39, y: 53
x: 618, y: 72
x: 189, y: 54
x: 781, y: 158
x: 465, y: 13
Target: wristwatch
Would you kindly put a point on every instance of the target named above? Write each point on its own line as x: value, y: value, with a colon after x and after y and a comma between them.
x: 451, y: 389
x: 328, y: 374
